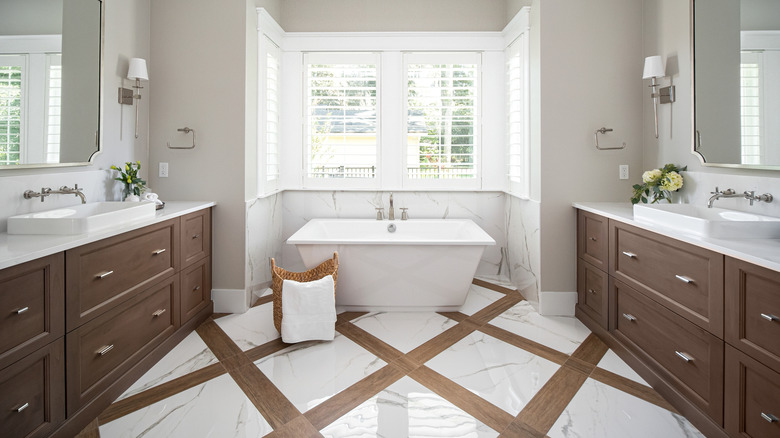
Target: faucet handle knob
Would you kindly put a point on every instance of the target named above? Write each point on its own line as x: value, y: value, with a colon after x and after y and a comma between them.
x: 716, y: 191
x: 380, y: 213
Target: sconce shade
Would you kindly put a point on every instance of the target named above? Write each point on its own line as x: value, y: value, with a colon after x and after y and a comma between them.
x: 137, y: 69
x: 654, y: 67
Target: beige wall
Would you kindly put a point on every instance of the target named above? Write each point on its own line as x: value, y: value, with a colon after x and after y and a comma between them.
x: 397, y: 15
x: 30, y: 17
x: 667, y: 33
x: 197, y: 70
x: 590, y: 76
x: 760, y: 14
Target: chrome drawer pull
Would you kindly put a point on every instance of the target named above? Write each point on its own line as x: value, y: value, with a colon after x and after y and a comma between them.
x: 684, y: 356
x: 766, y: 316
x: 105, y: 350
x: 195, y: 236
x: 104, y: 275
x: 768, y: 417
x: 629, y: 317
x: 592, y: 238
x: 22, y: 310
x: 195, y: 288
x: 26, y: 405
x: 684, y: 278
x: 158, y: 312
x: 158, y: 252
x: 630, y: 255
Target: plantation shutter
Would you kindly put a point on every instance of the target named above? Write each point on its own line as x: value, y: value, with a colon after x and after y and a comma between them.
x: 11, y: 108
x: 341, y: 114
x: 53, y: 107
x: 442, y: 115
x: 273, y: 65
x: 750, y: 108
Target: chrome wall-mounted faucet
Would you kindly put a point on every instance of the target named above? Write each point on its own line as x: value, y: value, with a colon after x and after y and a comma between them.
x: 64, y: 190
x: 730, y: 193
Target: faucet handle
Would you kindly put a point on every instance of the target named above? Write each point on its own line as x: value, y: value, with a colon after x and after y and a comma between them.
x: 404, y: 214
x: 716, y: 191
x: 380, y: 213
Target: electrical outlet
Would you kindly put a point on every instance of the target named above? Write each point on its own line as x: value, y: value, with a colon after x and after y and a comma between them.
x: 163, y: 170
x: 623, y: 171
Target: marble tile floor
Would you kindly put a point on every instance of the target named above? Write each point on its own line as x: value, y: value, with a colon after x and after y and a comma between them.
x: 495, y: 368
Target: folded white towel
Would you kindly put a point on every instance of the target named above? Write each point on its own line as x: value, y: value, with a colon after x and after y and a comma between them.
x: 308, y: 310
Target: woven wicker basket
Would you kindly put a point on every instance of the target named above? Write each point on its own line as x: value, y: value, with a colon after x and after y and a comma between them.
x: 278, y: 275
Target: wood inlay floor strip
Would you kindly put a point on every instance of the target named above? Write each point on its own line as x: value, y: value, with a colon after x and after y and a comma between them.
x: 160, y: 392
x: 262, y: 300
x: 441, y: 342
x: 218, y: 341
x: 352, y: 397
x: 547, y: 405
x: 491, y: 286
x: 91, y: 431
x: 526, y: 344
x: 484, y: 411
x: 376, y: 346
x: 629, y: 386
x: 266, y: 397
x: 485, y: 315
x: 297, y: 428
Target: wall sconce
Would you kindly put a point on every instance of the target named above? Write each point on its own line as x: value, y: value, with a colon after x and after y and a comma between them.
x: 136, y: 71
x: 654, y: 68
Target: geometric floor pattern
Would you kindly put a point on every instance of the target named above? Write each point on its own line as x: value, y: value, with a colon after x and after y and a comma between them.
x: 496, y: 368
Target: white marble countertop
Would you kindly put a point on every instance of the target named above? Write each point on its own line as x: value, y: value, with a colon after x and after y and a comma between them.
x: 761, y: 252
x: 18, y: 248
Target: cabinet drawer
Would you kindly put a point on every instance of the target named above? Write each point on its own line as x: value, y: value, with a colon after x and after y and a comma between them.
x: 195, y: 237
x: 592, y: 288
x: 592, y: 239
x: 682, y: 277
x: 32, y: 393
x: 753, y: 310
x: 31, y: 301
x: 690, y: 356
x: 105, y: 347
x: 107, y: 272
x: 752, y: 397
x: 195, y: 289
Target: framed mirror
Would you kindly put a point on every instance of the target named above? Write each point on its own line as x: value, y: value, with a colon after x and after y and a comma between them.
x: 50, y: 82
x: 735, y: 47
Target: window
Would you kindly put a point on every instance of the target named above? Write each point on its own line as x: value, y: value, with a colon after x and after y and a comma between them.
x: 11, y: 108
x: 750, y: 107
x: 518, y: 165
x: 341, y: 114
x: 272, y: 68
x: 53, y: 107
x: 442, y: 116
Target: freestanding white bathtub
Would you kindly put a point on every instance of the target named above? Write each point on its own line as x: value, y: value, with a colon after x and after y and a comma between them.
x: 425, y: 264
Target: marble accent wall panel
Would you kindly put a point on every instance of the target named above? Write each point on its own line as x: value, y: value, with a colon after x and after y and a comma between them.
x: 96, y: 184
x: 523, y: 255
x: 698, y: 185
x: 486, y: 209
x: 263, y: 239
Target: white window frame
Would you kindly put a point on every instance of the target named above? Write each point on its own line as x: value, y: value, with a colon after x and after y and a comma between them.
x: 466, y: 57
x: 355, y: 58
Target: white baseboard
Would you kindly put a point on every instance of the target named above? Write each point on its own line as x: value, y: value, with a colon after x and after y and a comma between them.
x: 557, y: 303
x: 230, y: 300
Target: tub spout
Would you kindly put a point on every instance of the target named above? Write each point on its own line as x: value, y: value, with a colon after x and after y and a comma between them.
x: 391, y: 212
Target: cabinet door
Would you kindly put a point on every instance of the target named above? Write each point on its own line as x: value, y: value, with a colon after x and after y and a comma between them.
x: 32, y: 299
x: 752, y: 397
x: 592, y: 239
x: 753, y: 310
x: 195, y: 237
x: 592, y: 292
x: 195, y: 289
x: 32, y: 393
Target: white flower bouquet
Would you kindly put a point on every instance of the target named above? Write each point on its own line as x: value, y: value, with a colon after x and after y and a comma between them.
x: 658, y: 184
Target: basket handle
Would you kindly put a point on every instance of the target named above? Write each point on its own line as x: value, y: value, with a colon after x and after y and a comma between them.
x: 273, y: 263
x: 335, y: 257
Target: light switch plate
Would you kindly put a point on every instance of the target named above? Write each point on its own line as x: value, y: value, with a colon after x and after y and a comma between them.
x: 163, y: 170
x: 623, y: 171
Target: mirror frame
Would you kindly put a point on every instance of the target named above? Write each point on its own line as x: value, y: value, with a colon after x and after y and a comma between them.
x: 101, y: 83
x: 694, y: 149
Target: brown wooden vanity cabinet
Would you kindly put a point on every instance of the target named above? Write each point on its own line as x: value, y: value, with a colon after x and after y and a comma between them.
x: 78, y: 328
x: 702, y: 327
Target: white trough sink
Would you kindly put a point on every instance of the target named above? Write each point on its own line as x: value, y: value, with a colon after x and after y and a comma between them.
x: 718, y: 223
x: 80, y: 219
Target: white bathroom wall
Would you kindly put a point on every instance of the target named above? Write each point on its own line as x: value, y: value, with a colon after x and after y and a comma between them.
x: 523, y: 256
x: 486, y: 209
x: 667, y: 33
x: 126, y: 36
x: 263, y: 239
